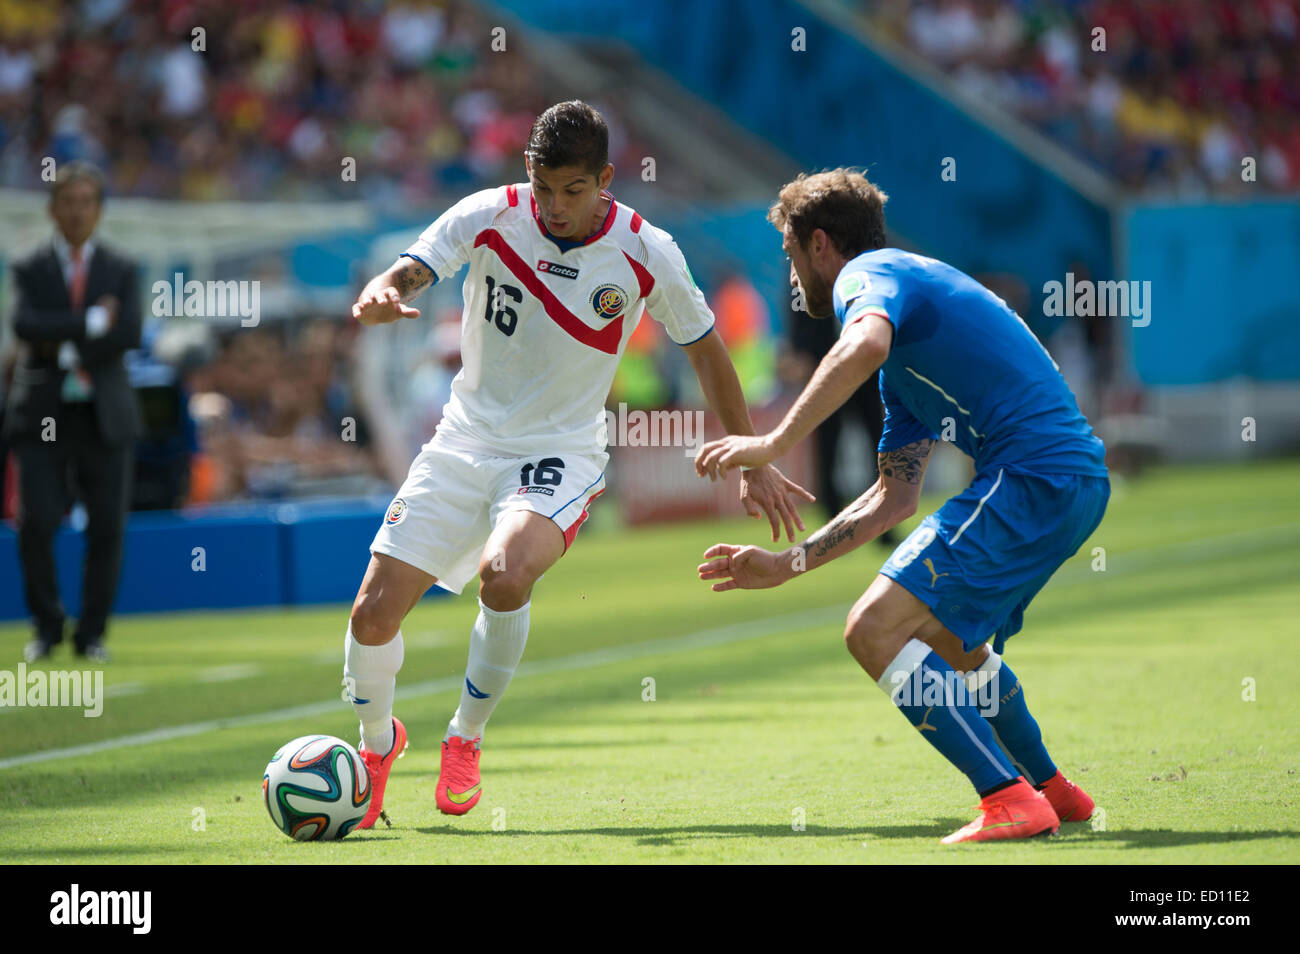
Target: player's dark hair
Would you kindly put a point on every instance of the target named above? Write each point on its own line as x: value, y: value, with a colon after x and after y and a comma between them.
x: 841, y: 202
x: 78, y: 171
x: 570, y: 134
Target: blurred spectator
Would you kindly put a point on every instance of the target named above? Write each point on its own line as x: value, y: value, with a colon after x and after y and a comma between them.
x: 278, y: 418
x: 1182, y: 92
x: 743, y: 321
x: 278, y: 95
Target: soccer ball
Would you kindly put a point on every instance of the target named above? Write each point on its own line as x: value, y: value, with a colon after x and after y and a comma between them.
x: 316, y: 788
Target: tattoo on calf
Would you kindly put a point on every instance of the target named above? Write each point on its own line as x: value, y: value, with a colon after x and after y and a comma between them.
x: 907, y: 463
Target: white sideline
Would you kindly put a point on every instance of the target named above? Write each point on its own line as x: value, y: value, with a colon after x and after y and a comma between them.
x: 1131, y: 561
x: 753, y: 629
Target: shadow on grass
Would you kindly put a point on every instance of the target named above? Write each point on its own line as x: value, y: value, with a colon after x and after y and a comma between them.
x: 667, y: 837
x: 108, y: 854
x: 532, y: 746
x: 1080, y: 835
x: 1164, y: 838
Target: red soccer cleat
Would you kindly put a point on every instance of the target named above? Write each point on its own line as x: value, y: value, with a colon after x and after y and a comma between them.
x: 379, y: 767
x: 459, y: 788
x: 1069, y: 801
x: 1016, y: 811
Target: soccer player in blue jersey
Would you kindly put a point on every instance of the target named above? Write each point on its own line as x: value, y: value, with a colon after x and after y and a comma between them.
x: 953, y: 360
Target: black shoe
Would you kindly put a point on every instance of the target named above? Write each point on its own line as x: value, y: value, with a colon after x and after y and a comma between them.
x: 95, y: 652
x: 37, y: 650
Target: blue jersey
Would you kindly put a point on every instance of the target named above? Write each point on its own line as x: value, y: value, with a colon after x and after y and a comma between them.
x: 964, y: 365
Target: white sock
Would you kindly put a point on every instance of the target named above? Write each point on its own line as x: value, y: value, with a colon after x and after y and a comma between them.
x: 978, y: 677
x: 900, y: 670
x: 496, y: 645
x: 370, y: 678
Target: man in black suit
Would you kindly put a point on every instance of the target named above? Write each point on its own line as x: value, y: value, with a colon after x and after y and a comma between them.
x: 71, y: 415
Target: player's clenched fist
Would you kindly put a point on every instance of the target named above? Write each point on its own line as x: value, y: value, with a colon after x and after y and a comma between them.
x: 745, y: 568
x: 382, y: 306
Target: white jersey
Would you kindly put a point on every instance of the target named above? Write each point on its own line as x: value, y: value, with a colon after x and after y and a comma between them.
x: 546, y: 320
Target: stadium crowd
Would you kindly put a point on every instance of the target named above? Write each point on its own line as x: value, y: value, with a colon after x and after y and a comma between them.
x: 280, y: 90
x: 277, y: 415
x: 214, y: 99
x: 1169, y: 98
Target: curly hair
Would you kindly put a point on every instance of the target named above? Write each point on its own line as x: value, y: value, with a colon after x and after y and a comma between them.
x: 841, y: 202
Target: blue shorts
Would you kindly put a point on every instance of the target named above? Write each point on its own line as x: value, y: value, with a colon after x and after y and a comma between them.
x: 980, y: 559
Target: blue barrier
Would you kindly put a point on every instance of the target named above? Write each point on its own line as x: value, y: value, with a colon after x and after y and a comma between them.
x: 839, y: 103
x: 1225, y: 301
x: 251, y: 555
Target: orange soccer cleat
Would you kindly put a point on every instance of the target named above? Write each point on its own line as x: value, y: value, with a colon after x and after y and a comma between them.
x: 1069, y: 801
x: 379, y: 766
x: 1016, y: 811
x: 459, y: 788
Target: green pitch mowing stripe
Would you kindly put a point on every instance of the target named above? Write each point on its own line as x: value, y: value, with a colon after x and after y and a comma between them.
x: 709, y: 637
x: 1223, y: 545
x: 1166, y: 685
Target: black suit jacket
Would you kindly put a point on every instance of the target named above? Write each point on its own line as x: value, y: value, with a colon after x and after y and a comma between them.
x: 44, y: 318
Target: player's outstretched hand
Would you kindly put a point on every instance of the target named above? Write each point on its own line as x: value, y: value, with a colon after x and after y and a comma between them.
x: 744, y: 568
x: 768, y: 488
x: 717, y: 457
x: 382, y: 307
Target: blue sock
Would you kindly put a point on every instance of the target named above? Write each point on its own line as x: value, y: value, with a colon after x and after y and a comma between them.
x: 1015, y: 729
x: 935, y: 700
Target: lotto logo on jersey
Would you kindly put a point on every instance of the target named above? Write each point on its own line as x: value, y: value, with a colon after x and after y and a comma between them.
x: 608, y: 301
x: 396, y: 512
x: 554, y: 268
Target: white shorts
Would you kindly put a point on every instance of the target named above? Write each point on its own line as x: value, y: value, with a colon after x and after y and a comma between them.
x: 452, y: 500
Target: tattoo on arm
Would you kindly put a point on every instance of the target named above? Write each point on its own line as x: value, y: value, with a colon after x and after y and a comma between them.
x: 907, y: 463
x: 410, y: 277
x: 832, y: 535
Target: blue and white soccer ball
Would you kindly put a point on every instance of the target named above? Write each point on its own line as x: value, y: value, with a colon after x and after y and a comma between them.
x: 316, y: 788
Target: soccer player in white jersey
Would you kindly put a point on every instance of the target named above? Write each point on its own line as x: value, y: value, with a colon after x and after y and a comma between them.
x: 559, y: 275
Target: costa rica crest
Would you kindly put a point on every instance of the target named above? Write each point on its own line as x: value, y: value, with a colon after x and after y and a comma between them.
x: 396, y: 512
x: 608, y: 301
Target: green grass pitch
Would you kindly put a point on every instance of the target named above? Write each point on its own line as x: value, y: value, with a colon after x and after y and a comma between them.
x: 1141, y: 676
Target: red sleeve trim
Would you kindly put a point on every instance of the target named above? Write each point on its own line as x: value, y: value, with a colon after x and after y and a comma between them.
x: 643, y: 277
